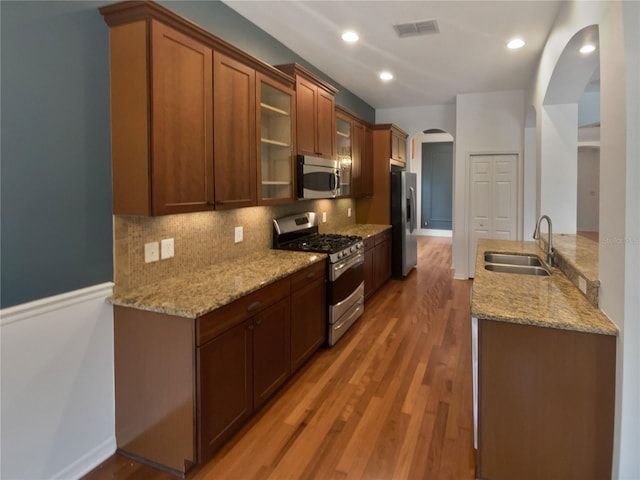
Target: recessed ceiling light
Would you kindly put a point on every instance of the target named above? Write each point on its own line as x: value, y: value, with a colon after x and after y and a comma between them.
x: 587, y: 48
x: 386, y: 76
x: 350, y: 36
x: 515, y: 43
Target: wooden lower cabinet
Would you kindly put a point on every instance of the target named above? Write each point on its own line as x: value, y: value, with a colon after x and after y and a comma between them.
x: 224, y: 387
x: 545, y: 402
x: 382, y: 259
x: 184, y: 386
x: 308, y: 313
x: 271, y: 351
x: 377, y: 262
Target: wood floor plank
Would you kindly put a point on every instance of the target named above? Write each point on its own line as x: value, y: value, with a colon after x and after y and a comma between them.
x: 391, y: 401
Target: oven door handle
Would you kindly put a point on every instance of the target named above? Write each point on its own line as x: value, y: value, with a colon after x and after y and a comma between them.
x: 346, y: 321
x: 352, y: 262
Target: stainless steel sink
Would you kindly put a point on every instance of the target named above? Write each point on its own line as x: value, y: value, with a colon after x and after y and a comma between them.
x: 511, y: 259
x: 521, y: 269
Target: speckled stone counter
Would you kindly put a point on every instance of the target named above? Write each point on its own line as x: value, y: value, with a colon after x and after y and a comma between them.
x: 195, y: 294
x: 363, y: 230
x: 551, y: 301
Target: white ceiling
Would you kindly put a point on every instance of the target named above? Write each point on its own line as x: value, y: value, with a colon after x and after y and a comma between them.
x: 468, y: 55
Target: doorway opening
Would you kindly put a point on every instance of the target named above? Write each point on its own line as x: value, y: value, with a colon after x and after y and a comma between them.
x: 432, y: 160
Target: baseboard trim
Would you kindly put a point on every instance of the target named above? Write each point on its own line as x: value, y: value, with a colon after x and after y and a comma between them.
x: 89, y: 461
x: 41, y: 306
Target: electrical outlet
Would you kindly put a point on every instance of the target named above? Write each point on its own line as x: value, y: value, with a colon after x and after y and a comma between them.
x: 582, y: 285
x: 151, y: 252
x: 348, y: 211
x: 238, y: 234
x: 166, y: 248
x: 324, y: 217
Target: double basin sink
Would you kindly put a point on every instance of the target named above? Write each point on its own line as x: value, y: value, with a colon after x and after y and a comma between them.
x: 510, y: 263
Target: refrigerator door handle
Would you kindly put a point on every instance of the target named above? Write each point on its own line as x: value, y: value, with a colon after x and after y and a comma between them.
x: 411, y: 210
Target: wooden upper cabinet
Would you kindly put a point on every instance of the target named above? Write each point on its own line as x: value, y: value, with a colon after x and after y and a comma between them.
x: 276, y: 145
x: 184, y: 106
x: 162, y: 118
x: 315, y: 113
x: 234, y: 107
x: 398, y: 155
x: 354, y: 151
x: 366, y: 168
x: 326, y: 124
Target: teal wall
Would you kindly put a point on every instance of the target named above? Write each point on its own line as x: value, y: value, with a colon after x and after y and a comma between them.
x: 55, y: 155
x: 55, y: 190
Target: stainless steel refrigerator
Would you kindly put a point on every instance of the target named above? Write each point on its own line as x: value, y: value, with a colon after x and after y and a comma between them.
x: 404, y: 222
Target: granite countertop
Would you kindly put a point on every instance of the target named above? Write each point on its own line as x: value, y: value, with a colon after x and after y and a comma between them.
x: 362, y: 230
x: 194, y: 294
x: 551, y: 301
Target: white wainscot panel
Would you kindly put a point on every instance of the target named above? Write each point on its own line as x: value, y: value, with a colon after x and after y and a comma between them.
x: 57, y: 397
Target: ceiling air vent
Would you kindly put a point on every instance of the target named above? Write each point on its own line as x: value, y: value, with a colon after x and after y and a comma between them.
x: 412, y: 29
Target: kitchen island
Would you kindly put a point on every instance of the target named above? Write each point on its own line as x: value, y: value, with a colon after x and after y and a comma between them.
x: 544, y: 378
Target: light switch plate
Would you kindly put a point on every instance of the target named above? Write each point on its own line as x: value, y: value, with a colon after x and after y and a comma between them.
x: 238, y: 234
x: 151, y: 252
x: 166, y: 248
x: 324, y: 217
x: 348, y: 211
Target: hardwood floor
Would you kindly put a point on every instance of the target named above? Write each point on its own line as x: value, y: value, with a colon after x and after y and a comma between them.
x: 392, y: 400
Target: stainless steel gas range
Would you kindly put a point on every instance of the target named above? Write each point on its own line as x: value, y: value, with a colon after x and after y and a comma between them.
x: 345, y: 267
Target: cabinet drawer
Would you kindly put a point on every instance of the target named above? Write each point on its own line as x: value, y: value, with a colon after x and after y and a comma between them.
x: 308, y: 275
x: 224, y: 318
x: 369, y: 242
x: 383, y: 236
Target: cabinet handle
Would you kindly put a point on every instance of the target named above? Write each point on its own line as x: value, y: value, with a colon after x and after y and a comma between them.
x: 258, y: 322
x: 310, y: 275
x: 253, y: 306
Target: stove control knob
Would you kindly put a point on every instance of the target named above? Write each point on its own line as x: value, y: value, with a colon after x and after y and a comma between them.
x: 339, y: 254
x: 352, y: 249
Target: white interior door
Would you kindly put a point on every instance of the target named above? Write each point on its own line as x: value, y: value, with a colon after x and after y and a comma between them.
x: 493, y: 200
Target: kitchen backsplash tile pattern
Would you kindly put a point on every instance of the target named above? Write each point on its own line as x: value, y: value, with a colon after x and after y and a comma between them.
x: 206, y: 238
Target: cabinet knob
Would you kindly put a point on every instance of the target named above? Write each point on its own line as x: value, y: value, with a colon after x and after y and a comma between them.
x: 310, y: 275
x: 258, y: 322
x: 254, y: 306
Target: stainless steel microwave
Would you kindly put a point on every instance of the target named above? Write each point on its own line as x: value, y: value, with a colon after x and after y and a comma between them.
x: 318, y: 177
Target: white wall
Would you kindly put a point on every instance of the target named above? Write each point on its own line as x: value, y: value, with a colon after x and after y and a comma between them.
x: 559, y: 168
x: 485, y: 123
x: 57, y: 393
x: 414, y: 120
x: 619, y: 192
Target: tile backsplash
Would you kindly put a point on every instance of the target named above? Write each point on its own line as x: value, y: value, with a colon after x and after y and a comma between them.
x: 206, y: 238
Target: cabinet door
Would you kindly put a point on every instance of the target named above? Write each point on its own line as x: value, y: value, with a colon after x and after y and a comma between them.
x: 344, y: 146
x: 366, y: 164
x: 234, y: 108
x: 271, y: 355
x: 276, y: 164
x: 308, y: 321
x: 224, y: 387
x: 326, y: 124
x: 368, y: 273
x: 182, y: 123
x: 382, y: 263
x: 306, y: 117
x: 357, y: 158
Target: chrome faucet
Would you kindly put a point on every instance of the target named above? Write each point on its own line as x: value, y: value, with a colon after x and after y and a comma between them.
x: 536, y: 236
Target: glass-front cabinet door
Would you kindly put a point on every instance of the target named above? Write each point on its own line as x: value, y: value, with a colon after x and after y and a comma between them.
x: 343, y: 143
x: 276, y: 162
